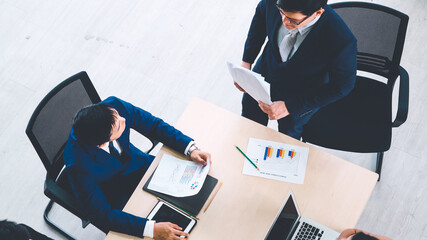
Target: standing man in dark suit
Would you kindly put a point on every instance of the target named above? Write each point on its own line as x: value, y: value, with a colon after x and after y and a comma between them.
x: 309, y: 61
x: 104, y: 168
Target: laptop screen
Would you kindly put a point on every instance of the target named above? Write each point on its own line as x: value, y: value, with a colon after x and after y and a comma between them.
x: 284, y: 222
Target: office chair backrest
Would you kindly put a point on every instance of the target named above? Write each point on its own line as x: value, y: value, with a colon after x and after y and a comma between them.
x: 380, y: 32
x: 51, y: 122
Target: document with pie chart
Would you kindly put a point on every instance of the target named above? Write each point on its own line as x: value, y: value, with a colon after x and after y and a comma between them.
x: 177, y: 177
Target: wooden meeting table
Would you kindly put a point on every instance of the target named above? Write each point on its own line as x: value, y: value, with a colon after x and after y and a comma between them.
x: 334, y: 192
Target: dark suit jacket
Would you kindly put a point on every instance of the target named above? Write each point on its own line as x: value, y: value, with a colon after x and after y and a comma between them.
x: 321, y: 71
x: 90, y: 169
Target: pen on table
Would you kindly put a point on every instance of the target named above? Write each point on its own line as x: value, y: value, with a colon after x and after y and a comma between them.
x: 247, y: 158
x: 214, y: 195
x: 194, y: 216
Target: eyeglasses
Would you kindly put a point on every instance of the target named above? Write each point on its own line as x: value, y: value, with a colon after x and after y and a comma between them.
x: 293, y: 21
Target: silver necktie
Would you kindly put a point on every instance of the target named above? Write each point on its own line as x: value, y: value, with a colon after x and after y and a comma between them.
x: 287, y: 44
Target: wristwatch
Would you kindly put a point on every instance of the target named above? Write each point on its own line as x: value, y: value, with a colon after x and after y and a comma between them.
x: 192, y: 148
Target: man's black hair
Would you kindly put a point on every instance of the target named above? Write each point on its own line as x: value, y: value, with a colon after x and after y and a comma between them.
x: 362, y: 236
x: 92, y: 124
x: 11, y: 230
x: 306, y: 7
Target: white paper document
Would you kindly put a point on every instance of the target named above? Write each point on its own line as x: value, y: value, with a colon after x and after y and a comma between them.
x: 276, y: 160
x: 252, y: 82
x: 177, y: 177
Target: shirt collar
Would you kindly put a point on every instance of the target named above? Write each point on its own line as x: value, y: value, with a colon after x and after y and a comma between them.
x: 305, y: 29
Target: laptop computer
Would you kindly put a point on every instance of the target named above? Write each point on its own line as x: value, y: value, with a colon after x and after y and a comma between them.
x: 290, y: 225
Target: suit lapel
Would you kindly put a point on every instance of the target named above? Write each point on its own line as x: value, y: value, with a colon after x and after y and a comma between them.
x: 311, y: 41
x: 277, y: 21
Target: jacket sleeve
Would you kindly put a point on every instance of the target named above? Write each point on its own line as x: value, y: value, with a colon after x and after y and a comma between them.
x: 155, y: 128
x: 99, y: 210
x: 256, y: 35
x: 342, y: 77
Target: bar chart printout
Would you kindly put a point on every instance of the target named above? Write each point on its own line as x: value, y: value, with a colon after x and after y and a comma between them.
x: 276, y: 160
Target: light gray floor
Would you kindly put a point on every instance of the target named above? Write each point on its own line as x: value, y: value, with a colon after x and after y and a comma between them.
x: 159, y: 55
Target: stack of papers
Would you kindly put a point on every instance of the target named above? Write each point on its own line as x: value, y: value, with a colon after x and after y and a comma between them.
x: 252, y: 82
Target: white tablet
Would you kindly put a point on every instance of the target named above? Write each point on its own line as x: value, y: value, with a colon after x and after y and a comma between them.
x: 164, y: 212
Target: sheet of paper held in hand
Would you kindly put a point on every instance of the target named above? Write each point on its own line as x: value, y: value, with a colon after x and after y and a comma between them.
x: 177, y: 177
x: 276, y: 160
x: 252, y: 82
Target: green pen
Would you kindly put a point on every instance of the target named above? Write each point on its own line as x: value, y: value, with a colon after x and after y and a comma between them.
x: 247, y: 157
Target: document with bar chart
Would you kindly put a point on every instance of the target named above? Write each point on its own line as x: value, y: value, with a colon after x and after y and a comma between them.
x: 177, y: 177
x: 276, y: 160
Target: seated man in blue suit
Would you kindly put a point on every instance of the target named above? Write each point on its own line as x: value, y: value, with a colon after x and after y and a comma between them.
x: 309, y: 61
x: 104, y: 168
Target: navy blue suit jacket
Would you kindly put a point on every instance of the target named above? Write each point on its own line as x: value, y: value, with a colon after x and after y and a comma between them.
x: 90, y: 169
x: 321, y: 71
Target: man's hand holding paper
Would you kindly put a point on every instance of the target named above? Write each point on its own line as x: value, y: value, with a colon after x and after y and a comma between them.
x: 250, y: 82
x: 275, y: 111
x: 200, y: 157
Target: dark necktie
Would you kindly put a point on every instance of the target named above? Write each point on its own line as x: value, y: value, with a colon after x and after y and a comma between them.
x: 123, y: 158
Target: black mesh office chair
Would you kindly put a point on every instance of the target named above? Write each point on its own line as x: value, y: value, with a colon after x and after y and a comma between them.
x: 362, y: 121
x: 48, y: 131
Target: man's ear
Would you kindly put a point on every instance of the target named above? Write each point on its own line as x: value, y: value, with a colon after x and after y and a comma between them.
x: 102, y: 145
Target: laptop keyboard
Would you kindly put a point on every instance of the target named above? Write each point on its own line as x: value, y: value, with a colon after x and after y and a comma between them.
x: 308, y: 232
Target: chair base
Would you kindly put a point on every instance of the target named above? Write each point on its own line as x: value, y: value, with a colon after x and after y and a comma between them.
x: 56, y: 227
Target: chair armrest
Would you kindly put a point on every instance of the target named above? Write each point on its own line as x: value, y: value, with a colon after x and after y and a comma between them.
x: 63, y: 198
x: 154, y: 142
x: 403, y: 102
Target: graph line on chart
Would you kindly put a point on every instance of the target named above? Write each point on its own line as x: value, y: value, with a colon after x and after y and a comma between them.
x: 174, y: 174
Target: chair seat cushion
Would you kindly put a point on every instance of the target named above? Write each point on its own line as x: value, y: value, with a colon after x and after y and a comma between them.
x: 360, y: 122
